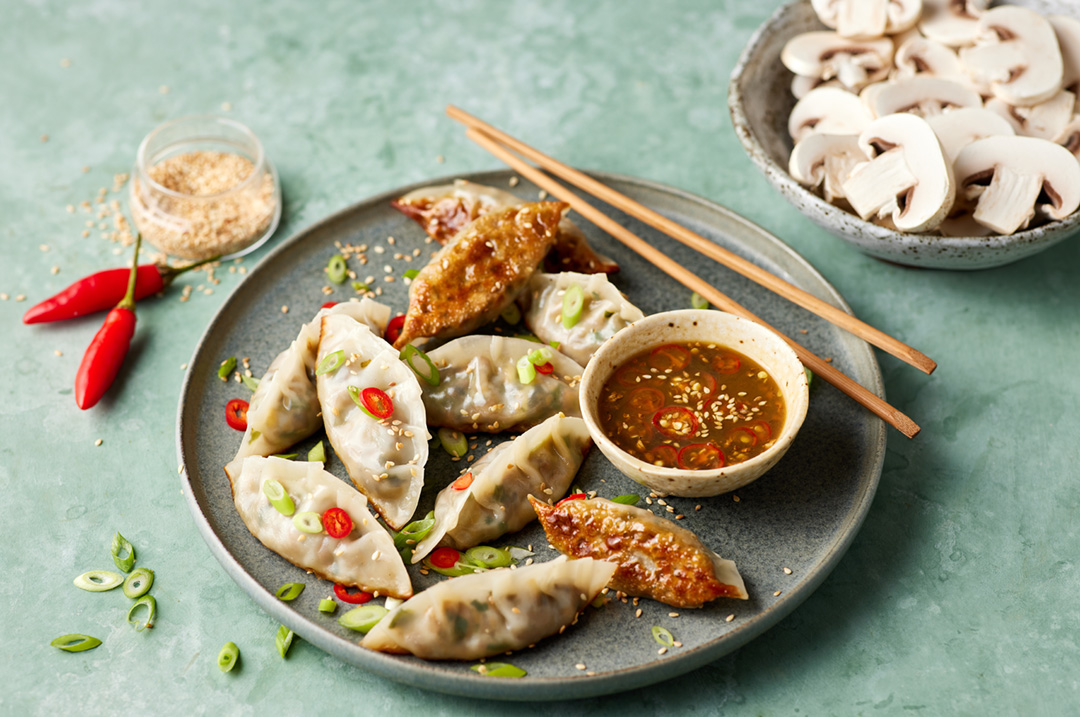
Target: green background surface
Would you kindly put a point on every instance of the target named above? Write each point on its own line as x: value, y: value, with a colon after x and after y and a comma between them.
x: 959, y: 595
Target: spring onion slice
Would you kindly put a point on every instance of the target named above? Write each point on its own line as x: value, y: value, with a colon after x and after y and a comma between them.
x: 539, y: 357
x: 150, y: 604
x: 628, y: 499
x: 139, y: 582
x: 413, y: 533
x: 511, y: 314
x: 251, y: 382
x: 573, y: 303
x: 226, y: 659
x: 308, y: 522
x: 281, y: 500
x: 453, y: 442
x: 75, y: 642
x: 697, y: 301
x: 663, y: 636
x: 499, y: 669
x: 430, y: 374
x: 98, y: 581
x: 360, y: 286
x: 809, y: 376
x: 331, y: 362
x: 528, y: 337
x: 317, y: 454
x: 327, y: 605
x: 459, y: 568
x: 526, y: 370
x: 120, y: 545
x: 286, y: 456
x: 290, y: 591
x: 226, y: 368
x: 488, y: 557
x: 363, y: 618
x: 283, y: 641
x: 411, y: 274
x: 337, y: 270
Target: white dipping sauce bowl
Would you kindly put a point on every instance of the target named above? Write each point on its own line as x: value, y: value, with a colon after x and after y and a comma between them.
x: 708, y: 326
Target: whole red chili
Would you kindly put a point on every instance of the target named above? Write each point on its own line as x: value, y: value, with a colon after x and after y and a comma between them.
x: 104, y: 289
x: 105, y: 355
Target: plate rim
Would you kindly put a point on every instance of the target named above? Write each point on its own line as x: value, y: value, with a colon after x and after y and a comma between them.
x: 530, y: 688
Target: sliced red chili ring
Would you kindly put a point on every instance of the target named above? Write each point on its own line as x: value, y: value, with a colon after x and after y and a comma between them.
x: 373, y: 401
x: 236, y: 414
x: 665, y: 419
x: 337, y: 523
x: 354, y: 596
x: 329, y: 305
x: 645, y: 400
x: 445, y: 558
x: 708, y: 381
x: 762, y: 429
x: 393, y: 329
x: 726, y: 363
x: 663, y: 455
x: 670, y: 356
x: 701, y: 456
x: 463, y: 482
x: 572, y: 496
x: 545, y: 368
x: 745, y: 437
x: 628, y: 376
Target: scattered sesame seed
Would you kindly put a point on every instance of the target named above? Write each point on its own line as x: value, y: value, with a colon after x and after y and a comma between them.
x: 164, y: 89
x: 440, y: 159
x: 86, y: 232
x: 543, y: 194
x: 226, y: 106
x: 514, y: 181
x: 638, y: 613
x: 776, y: 594
x: 20, y: 297
x: 735, y: 498
x: 43, y: 247
x: 44, y: 138
x: 580, y: 666
x: 729, y: 618
x: 98, y: 442
x: 787, y: 571
x: 284, y: 309
x: 4, y: 297
x: 183, y: 367
x: 673, y: 614
x: 65, y: 63
x: 661, y: 651
x: 86, y: 169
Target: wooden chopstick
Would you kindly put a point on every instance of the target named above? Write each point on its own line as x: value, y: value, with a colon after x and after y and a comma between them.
x: 876, y: 405
x: 695, y: 241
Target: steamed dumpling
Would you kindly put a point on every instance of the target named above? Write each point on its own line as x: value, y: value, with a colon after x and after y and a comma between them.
x: 366, y: 558
x: 541, y: 462
x: 384, y: 457
x: 484, y: 614
x: 479, y: 388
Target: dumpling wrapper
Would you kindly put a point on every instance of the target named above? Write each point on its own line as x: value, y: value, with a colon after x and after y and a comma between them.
x: 488, y: 613
x: 366, y: 558
x: 284, y: 409
x: 655, y: 557
x: 541, y: 462
x: 391, y: 477
x: 479, y: 388
x: 604, y: 312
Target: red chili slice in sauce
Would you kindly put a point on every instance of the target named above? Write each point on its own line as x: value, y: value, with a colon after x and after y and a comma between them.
x: 665, y: 419
x: 762, y: 429
x: 393, y: 329
x: 744, y: 437
x: 337, y: 523
x: 645, y: 400
x: 445, y: 558
x: 663, y: 455
x: 670, y: 356
x: 572, y: 496
x: 708, y: 381
x: 329, y: 305
x: 628, y: 376
x: 377, y: 402
x: 463, y: 482
x: 236, y: 414
x: 701, y: 456
x: 726, y: 363
x: 545, y: 368
x: 356, y: 596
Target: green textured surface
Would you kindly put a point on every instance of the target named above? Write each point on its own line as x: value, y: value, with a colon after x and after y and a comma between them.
x: 959, y: 594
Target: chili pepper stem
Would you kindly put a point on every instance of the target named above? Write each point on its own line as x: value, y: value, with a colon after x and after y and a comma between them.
x: 128, y: 302
x: 168, y: 273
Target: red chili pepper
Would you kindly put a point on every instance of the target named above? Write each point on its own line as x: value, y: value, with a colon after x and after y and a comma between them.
x: 572, y: 496
x: 329, y: 305
x: 701, y: 456
x: 393, y: 329
x: 745, y: 436
x: 463, y: 482
x: 104, y: 289
x: 669, y: 415
x: 445, y: 558
x: 353, y: 598
x: 726, y: 363
x: 377, y: 403
x: 236, y: 414
x: 105, y: 355
x: 337, y: 523
x: 762, y: 429
x: 645, y: 400
x: 545, y: 368
x: 670, y: 356
x: 662, y: 455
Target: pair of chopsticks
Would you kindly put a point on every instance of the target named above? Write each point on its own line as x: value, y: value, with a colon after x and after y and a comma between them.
x: 497, y: 143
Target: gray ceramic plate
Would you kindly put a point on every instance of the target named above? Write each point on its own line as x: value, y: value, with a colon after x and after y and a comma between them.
x: 801, y: 516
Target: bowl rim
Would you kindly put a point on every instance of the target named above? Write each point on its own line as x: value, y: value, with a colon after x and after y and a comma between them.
x: 796, y: 404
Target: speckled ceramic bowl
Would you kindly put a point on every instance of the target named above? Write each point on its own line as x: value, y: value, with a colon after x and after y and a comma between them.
x: 746, y: 337
x: 760, y: 100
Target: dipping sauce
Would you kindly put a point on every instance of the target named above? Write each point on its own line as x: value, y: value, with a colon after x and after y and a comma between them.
x: 691, y: 405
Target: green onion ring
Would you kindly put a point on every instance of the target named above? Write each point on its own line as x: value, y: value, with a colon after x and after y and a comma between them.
x: 75, y: 642
x: 317, y: 454
x: 488, y: 557
x: 363, y: 618
x: 285, y: 456
x: 413, y: 533
x: 150, y: 604
x: 499, y: 669
x: 281, y: 500
x: 411, y: 274
x: 251, y: 382
x: 227, y: 367
x: 121, y: 545
x: 539, y: 357
x: 331, y: 362
x: 528, y: 337
x: 453, y: 442
x: 809, y: 376
x: 290, y: 591
x: 226, y: 659
x: 697, y: 301
x: 337, y: 270
x: 283, y: 641
x: 139, y: 582
x: 457, y: 570
x: 526, y: 370
x: 573, y: 304
x: 327, y: 605
x: 360, y: 286
x: 431, y: 376
x: 628, y: 499
x: 663, y: 636
x: 511, y: 314
x: 308, y: 522
x: 98, y: 581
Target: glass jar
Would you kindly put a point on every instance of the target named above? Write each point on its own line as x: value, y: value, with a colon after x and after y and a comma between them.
x: 202, y: 186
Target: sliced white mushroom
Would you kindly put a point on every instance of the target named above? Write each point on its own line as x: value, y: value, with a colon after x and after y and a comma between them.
x: 1069, y: 138
x: 1021, y: 175
x: 959, y: 128
x: 952, y: 22
x: 825, y: 160
x: 1046, y: 120
x: 865, y: 19
x: 827, y: 55
x: 1067, y: 30
x: 827, y: 110
x: 919, y: 55
x: 1016, y: 52
x: 906, y: 177
x: 961, y: 223
x: 922, y: 95
x: 801, y: 86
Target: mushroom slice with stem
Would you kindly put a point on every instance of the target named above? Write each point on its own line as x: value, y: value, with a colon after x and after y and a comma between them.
x: 826, y: 160
x: 827, y: 55
x: 1070, y: 137
x: 1067, y: 30
x: 1020, y: 174
x: 919, y: 55
x: 907, y: 176
x: 828, y: 110
x: 1045, y: 120
x: 959, y: 128
x: 867, y: 19
x: 1016, y: 52
x: 952, y: 22
x: 802, y: 85
x: 922, y: 95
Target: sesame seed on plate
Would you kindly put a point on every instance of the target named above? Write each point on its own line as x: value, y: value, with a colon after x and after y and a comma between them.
x: 787, y: 571
x: 580, y: 666
x: 729, y: 618
x: 58, y: 352
x: 98, y: 442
